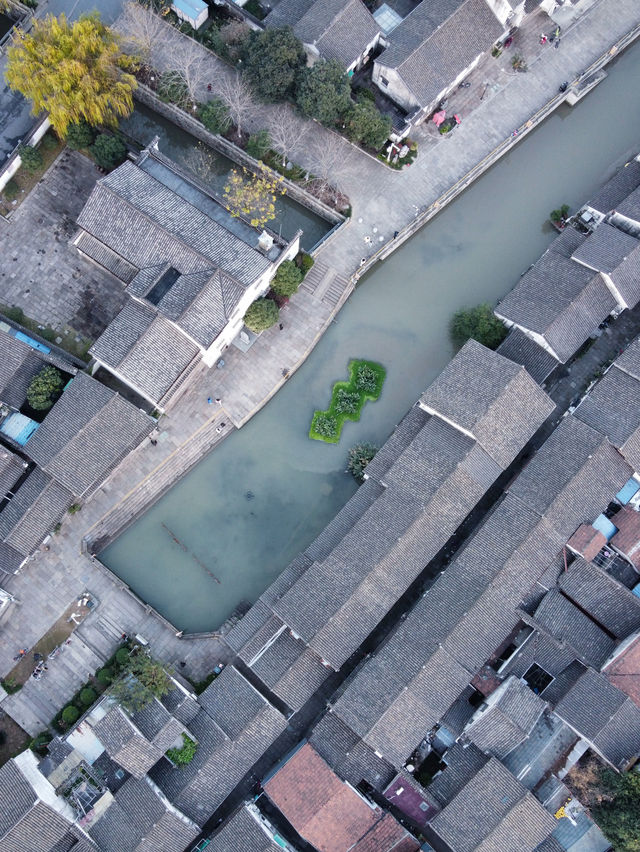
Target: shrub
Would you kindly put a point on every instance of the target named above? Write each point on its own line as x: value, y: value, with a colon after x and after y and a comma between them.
x: 359, y: 458
x: 287, y: 279
x: 70, y: 714
x: 346, y: 402
x: 40, y: 742
x: 305, y: 262
x: 88, y: 696
x: 105, y: 676
x: 215, y: 116
x: 108, y: 151
x: 10, y: 686
x: 184, y: 755
x: 618, y: 811
x: 259, y: 144
x: 366, y: 379
x: 144, y: 680
x: 479, y: 323
x: 325, y: 425
x: 15, y: 313
x: 74, y: 508
x: 172, y: 88
x: 366, y: 124
x: 31, y: 158
x: 45, y: 388
x: 48, y: 142
x: 262, y: 314
x: 11, y: 190
x: 48, y: 333
x: 122, y: 656
x: 80, y: 135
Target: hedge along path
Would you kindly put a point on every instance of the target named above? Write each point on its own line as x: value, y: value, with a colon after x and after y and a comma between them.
x: 327, y: 425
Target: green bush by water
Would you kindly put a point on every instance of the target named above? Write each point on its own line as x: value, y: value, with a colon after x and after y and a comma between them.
x: 347, y: 399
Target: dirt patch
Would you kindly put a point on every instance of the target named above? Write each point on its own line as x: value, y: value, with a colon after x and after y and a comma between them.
x: 12, y: 738
x: 585, y: 782
x: 50, y: 645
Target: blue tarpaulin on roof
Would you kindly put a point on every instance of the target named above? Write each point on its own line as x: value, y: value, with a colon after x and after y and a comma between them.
x: 604, y: 525
x: 19, y: 427
x: 627, y: 491
x: 34, y: 344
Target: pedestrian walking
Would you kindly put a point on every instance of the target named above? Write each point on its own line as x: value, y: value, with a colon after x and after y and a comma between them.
x: 209, y: 400
x: 218, y: 401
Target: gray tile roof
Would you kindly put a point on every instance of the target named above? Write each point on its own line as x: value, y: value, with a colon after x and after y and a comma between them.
x: 10, y: 559
x: 559, y: 299
x: 629, y: 361
x: 572, y: 477
x: 491, y: 397
x: 437, y: 41
x: 231, y: 702
x: 147, y: 223
x: 463, y: 761
x: 397, y: 442
x: 147, y: 350
x: 605, y: 249
x: 604, y: 716
x: 522, y: 349
x: 126, y: 745
x: 612, y: 406
x: 31, y: 515
x: 243, y: 833
x: 493, y: 811
x: 608, y: 602
x: 630, y: 206
x: 626, y: 277
x: 139, y: 820
x: 11, y: 469
x: 87, y: 433
x: 339, y: 29
x: 613, y: 193
x: 566, y: 623
x: 508, y: 721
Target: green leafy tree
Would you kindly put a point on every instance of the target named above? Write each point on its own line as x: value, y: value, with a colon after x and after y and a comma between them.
x: 262, y: 314
x: 287, y: 279
x: 359, y: 458
x: 88, y: 696
x: 259, y: 144
x: 184, y: 755
x: 70, y: 714
x: 45, y: 388
x: 80, y: 135
x: 31, y: 158
x: 366, y: 124
x: 143, y: 680
x: 74, y: 71
x: 618, y: 812
x: 479, y: 323
x: 366, y: 379
x: 323, y: 91
x: 215, y: 116
x: 108, y: 151
x: 272, y: 59
x: 346, y: 402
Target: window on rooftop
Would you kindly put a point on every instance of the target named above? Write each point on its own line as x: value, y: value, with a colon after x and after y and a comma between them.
x: 384, y: 81
x: 162, y: 286
x: 537, y: 679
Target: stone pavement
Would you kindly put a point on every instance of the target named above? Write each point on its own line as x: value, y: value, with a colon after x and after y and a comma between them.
x: 41, y: 272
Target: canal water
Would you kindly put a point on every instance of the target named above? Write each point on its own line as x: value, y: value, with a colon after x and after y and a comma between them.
x: 213, y: 169
x: 267, y: 491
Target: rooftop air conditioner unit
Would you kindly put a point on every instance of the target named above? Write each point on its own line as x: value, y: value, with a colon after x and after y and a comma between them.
x: 265, y: 242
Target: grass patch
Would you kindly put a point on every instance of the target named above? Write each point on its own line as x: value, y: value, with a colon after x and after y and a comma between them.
x: 347, y: 400
x: 71, y: 341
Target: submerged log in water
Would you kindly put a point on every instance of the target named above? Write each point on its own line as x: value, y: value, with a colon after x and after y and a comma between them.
x: 175, y: 538
x: 204, y: 567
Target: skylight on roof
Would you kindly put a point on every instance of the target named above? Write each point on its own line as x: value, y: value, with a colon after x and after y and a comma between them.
x: 387, y: 18
x: 162, y: 286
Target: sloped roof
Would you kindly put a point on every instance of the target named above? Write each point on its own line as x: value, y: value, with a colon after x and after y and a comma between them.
x: 627, y: 539
x: 231, y: 702
x: 145, y: 349
x: 629, y: 361
x: 491, y: 397
x: 605, y: 599
x: 462, y: 762
x: 559, y: 299
x: 624, y: 182
x: 493, y: 811
x: 624, y: 671
x: 566, y: 623
x: 11, y: 469
x: 437, y: 41
x: 626, y: 277
x: 243, y: 832
x: 326, y: 811
x: 572, y: 477
x: 87, y: 433
x: 147, y: 223
x: 340, y: 29
x: 19, y: 363
x: 522, y: 349
x: 603, y: 715
x: 630, y: 206
x: 508, y: 720
x: 587, y: 541
x: 606, y: 248
x: 139, y: 819
x: 125, y: 744
x: 31, y: 515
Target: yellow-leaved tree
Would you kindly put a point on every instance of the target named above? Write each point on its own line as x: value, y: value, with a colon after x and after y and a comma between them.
x: 75, y: 71
x: 253, y: 196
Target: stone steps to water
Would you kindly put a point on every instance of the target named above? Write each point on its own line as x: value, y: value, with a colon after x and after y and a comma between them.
x: 336, y: 290
x: 314, y: 277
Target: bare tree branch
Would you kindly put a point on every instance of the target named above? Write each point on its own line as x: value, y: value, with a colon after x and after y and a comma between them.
x: 287, y: 131
x: 331, y: 159
x: 142, y: 30
x: 189, y: 59
x: 237, y: 95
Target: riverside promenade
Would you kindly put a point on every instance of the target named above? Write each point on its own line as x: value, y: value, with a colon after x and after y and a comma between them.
x: 383, y: 199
